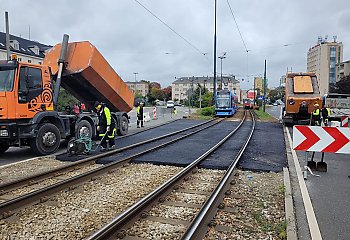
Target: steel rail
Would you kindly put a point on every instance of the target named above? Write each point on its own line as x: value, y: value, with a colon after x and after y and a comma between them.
x: 26, y: 181
x: 198, y: 228
x: 110, y: 230
x: 40, y: 195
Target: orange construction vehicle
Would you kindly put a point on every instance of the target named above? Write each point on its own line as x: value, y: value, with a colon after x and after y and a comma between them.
x: 302, y: 93
x: 29, y: 93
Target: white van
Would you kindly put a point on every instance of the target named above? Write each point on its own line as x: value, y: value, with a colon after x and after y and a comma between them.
x: 170, y: 104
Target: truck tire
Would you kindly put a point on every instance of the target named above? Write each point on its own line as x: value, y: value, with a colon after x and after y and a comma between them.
x: 123, y: 126
x: 84, y: 128
x: 47, y: 141
x: 3, y: 147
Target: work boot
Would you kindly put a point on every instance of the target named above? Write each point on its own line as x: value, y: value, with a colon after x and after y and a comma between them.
x: 103, y: 149
x: 112, y: 147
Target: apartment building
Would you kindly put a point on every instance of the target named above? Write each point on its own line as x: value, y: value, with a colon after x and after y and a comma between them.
x: 322, y: 60
x: 181, y: 87
x: 342, y: 70
x: 141, y: 87
x: 26, y: 50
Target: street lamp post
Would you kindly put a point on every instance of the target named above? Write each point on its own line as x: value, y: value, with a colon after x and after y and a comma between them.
x: 135, y: 82
x: 222, y: 57
x: 214, y: 82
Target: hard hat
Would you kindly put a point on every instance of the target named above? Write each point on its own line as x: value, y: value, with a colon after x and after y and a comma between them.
x: 97, y: 105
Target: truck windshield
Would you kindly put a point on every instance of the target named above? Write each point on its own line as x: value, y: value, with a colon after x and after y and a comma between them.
x: 6, y: 80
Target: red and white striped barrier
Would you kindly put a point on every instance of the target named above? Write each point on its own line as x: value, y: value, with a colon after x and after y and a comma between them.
x: 321, y: 139
x: 154, y: 112
x: 344, y: 121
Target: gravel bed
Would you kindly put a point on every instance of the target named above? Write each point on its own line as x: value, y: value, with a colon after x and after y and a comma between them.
x: 78, y: 213
x: 186, y: 198
x: 258, y: 200
x: 155, y: 230
x: 208, y: 175
x: 51, y: 181
x: 182, y: 213
x: 27, y: 168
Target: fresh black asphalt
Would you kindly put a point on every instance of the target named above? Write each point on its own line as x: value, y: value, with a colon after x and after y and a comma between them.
x: 266, y: 150
x: 139, y: 137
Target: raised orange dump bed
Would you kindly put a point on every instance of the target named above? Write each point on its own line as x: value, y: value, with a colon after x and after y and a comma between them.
x: 89, y: 77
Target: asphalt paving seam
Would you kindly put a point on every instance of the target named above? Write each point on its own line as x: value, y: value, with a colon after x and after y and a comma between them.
x: 310, y: 214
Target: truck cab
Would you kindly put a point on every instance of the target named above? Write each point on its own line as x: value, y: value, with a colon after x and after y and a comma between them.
x: 26, y: 100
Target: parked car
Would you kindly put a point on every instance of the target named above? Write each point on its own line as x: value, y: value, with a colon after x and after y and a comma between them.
x: 170, y: 104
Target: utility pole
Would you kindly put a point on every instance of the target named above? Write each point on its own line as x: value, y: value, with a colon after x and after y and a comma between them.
x: 264, y: 87
x: 8, y: 52
x: 214, y: 53
x: 222, y: 57
x: 135, y: 82
x: 254, y: 98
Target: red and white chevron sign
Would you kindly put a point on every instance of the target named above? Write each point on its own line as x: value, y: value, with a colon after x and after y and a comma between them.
x: 344, y: 121
x: 321, y: 139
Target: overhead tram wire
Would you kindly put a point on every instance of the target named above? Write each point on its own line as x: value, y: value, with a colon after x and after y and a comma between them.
x: 240, y: 34
x: 188, y: 42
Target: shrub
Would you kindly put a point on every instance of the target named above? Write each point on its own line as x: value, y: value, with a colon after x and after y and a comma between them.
x: 208, y: 111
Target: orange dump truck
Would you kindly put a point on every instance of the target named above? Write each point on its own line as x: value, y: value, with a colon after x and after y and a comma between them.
x: 302, y: 93
x: 29, y: 93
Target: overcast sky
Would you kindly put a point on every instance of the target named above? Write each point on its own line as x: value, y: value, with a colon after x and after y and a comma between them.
x: 132, y: 40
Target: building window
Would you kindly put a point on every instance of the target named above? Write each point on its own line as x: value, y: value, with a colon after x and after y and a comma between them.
x: 29, y: 61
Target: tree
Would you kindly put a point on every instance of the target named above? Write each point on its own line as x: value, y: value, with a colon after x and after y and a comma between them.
x: 207, y: 97
x: 65, y: 99
x: 167, y: 93
x: 343, y: 86
x: 154, y: 85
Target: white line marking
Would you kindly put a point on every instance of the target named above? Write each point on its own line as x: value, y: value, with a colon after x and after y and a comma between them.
x: 310, y: 214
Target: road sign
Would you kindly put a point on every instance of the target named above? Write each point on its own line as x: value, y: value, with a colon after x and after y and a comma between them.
x: 321, y: 139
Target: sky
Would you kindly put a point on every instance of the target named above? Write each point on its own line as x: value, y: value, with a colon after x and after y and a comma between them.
x: 175, y: 38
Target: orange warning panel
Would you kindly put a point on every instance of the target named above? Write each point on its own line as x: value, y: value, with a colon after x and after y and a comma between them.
x: 89, y: 77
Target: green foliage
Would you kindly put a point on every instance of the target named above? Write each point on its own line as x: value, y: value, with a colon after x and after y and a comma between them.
x: 65, y: 99
x: 208, y: 111
x: 343, y: 86
x: 207, y: 97
x: 282, y: 189
x: 263, y: 115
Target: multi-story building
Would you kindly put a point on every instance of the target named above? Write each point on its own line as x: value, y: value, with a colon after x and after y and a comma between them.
x: 259, y: 83
x: 141, y: 87
x: 322, y: 60
x: 342, y: 70
x: 26, y: 50
x: 184, y: 85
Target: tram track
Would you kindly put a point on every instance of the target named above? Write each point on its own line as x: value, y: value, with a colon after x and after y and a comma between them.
x: 41, y: 194
x: 158, y: 208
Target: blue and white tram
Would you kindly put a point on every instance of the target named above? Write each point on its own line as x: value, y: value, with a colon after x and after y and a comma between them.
x: 225, y: 103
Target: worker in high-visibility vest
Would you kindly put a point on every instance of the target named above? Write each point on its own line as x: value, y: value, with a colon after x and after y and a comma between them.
x: 326, y: 112
x: 316, y: 115
x: 139, y: 112
x: 106, y: 126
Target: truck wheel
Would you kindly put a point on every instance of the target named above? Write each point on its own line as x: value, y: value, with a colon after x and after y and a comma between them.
x: 84, y: 128
x: 123, y: 127
x: 47, y: 140
x: 3, y: 147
